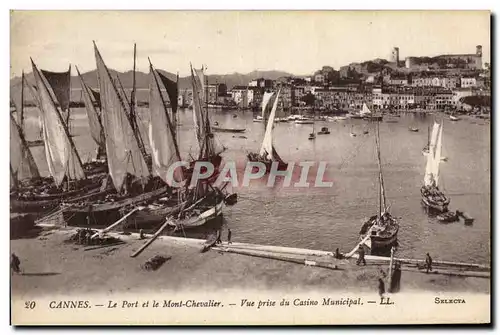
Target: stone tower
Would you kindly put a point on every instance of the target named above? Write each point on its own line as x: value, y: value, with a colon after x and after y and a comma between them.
x: 395, y: 55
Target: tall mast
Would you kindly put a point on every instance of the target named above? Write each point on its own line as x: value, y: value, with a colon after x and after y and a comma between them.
x: 21, y: 118
x: 132, y: 95
x: 382, y: 206
x: 69, y: 102
x: 207, y: 124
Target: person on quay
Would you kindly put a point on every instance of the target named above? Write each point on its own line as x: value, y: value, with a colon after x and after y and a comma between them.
x: 428, y: 262
x: 229, y: 233
x: 361, y: 256
x: 381, y: 287
x: 218, y: 240
x: 15, y: 263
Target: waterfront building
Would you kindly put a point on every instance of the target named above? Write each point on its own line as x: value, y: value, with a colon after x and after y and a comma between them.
x: 466, y: 82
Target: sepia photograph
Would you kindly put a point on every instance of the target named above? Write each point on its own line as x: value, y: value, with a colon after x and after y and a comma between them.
x: 250, y: 167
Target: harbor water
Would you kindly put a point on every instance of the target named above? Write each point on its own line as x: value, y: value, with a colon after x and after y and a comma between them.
x: 330, y: 217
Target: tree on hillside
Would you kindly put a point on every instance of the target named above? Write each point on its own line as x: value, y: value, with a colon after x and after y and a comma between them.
x: 309, y: 99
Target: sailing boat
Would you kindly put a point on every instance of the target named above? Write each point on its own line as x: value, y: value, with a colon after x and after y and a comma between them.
x: 204, y: 202
x: 432, y: 197
x: 18, y: 102
x: 425, y: 150
x: 95, y: 126
x: 131, y: 175
x: 265, y: 101
x: 64, y: 163
x: 312, y: 135
x: 268, y: 154
x: 380, y: 231
x: 367, y: 114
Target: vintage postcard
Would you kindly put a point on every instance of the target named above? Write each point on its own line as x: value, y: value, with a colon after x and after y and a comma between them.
x: 250, y: 167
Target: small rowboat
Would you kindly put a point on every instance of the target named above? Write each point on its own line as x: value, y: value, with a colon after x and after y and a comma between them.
x: 228, y: 130
x: 448, y: 217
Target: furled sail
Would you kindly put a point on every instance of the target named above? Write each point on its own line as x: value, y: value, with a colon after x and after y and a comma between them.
x: 122, y: 149
x: 62, y: 157
x: 267, y: 144
x: 208, y: 146
x: 200, y: 77
x: 21, y: 161
x: 95, y: 125
x: 58, y: 84
x: 164, y: 147
x: 265, y: 101
x: 197, y: 111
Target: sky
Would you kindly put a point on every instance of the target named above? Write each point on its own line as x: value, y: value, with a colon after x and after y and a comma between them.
x: 298, y: 42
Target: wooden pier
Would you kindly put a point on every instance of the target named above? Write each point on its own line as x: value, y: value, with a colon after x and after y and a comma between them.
x: 309, y: 257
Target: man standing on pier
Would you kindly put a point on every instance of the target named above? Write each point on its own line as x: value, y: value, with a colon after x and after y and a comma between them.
x: 361, y: 255
x: 428, y: 262
x: 15, y: 263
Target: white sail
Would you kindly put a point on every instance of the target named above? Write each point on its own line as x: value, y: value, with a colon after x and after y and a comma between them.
x: 122, y: 147
x: 430, y: 169
x: 198, y: 111
x: 265, y: 101
x: 62, y: 158
x: 365, y: 110
x: 161, y: 129
x: 21, y: 161
x: 267, y: 143
x: 95, y: 126
x: 437, y: 155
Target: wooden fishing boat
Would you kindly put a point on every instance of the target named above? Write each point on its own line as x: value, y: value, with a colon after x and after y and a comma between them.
x: 228, y: 130
x: 267, y: 154
x: 204, y: 202
x: 324, y: 131
x: 366, y: 114
x: 413, y: 129
x: 432, y: 197
x: 468, y: 219
x: 199, y: 215
x: 448, y: 217
x: 304, y: 120
x: 380, y: 231
x: 454, y: 118
x: 25, y: 204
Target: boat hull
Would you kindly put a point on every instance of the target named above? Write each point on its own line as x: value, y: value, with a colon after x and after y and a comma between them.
x: 432, y: 205
x: 199, y: 220
x: 253, y: 157
x: 448, y: 217
x: 228, y: 130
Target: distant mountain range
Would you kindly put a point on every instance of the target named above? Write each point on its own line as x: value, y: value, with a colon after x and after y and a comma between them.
x: 142, y: 79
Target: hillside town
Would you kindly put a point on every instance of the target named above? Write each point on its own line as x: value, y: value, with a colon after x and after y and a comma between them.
x: 446, y: 82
